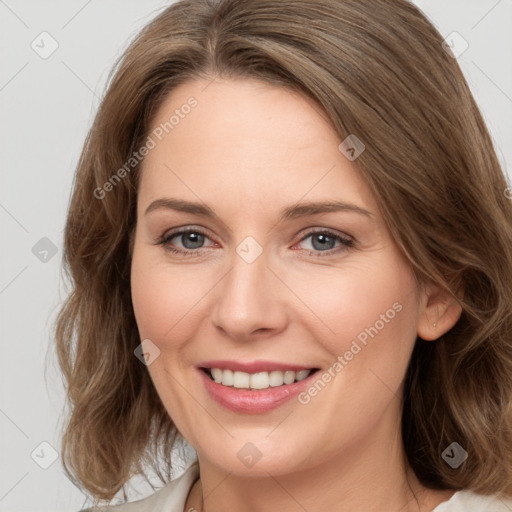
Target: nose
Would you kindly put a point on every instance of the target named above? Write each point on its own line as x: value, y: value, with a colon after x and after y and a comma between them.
x: 250, y: 301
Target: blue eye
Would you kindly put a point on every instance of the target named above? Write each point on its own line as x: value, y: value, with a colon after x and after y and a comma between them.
x: 191, y: 239
x: 323, y: 242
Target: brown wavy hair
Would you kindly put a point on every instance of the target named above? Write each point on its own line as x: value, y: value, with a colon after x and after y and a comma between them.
x: 378, y: 69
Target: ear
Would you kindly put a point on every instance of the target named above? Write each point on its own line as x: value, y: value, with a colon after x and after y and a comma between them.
x: 439, y: 311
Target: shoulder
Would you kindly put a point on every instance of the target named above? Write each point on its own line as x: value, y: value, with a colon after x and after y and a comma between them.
x: 465, y: 500
x: 170, y: 498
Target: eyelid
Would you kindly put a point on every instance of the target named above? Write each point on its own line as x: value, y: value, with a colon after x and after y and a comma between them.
x: 183, y: 230
x: 327, y: 231
x: 347, y: 241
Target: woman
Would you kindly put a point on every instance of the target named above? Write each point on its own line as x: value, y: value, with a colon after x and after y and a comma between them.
x: 289, y: 241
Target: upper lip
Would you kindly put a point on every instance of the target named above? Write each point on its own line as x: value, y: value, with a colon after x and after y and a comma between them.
x: 253, y: 366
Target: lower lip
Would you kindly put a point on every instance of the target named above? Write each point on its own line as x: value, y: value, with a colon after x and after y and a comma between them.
x: 253, y: 401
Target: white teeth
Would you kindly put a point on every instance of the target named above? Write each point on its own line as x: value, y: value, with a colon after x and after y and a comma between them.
x: 260, y: 380
x: 289, y: 377
x: 227, y: 377
x: 216, y: 373
x: 276, y: 378
x: 240, y: 380
x: 302, y: 374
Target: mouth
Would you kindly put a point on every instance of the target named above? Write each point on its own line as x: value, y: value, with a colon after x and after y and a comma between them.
x: 254, y: 387
x: 259, y: 380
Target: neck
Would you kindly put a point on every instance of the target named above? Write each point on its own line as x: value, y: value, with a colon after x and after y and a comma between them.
x: 372, y: 476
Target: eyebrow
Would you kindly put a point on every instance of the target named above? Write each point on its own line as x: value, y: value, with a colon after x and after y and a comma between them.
x: 291, y: 212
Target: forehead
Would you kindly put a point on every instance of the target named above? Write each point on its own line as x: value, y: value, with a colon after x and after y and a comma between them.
x: 246, y: 142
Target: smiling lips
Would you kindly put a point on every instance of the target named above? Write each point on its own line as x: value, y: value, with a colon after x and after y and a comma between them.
x: 254, y: 375
x: 259, y: 380
x: 253, y: 387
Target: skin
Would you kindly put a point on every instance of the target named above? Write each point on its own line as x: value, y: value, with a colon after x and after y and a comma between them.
x: 248, y: 150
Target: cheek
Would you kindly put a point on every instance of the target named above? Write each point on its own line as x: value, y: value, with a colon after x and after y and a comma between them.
x: 373, y: 314
x: 376, y: 334
x: 166, y: 299
x: 363, y: 303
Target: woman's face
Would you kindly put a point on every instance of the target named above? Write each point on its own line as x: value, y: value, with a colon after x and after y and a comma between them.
x: 268, y: 277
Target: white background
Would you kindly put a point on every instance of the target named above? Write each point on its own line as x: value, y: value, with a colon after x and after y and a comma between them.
x: 47, y: 107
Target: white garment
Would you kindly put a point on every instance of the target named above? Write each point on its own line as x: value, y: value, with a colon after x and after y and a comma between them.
x: 172, y: 498
x: 468, y: 501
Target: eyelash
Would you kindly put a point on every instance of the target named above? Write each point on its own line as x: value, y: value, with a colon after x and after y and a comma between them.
x: 346, y: 243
